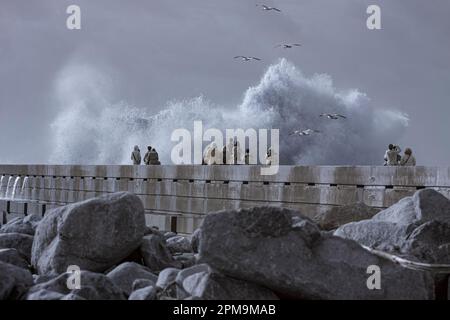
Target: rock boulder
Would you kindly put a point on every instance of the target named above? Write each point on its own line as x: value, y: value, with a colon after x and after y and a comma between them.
x: 280, y: 250
x: 94, y: 234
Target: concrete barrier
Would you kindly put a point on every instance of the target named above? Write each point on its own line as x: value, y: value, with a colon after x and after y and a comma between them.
x: 178, y: 197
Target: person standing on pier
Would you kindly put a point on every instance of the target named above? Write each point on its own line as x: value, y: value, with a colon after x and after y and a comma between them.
x: 392, y: 155
x: 408, y: 159
x: 147, y: 156
x: 136, y: 156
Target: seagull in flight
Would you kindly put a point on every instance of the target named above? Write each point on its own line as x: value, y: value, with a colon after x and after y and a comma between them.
x: 267, y: 8
x: 288, y: 45
x: 246, y: 59
x: 333, y: 116
x: 306, y: 132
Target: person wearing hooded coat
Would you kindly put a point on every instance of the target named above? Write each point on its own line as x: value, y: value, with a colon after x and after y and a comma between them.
x: 136, y: 156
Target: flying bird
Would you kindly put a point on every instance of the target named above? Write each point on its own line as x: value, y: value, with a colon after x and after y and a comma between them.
x: 267, y: 8
x: 333, y: 116
x: 246, y: 59
x: 288, y: 45
x: 306, y: 132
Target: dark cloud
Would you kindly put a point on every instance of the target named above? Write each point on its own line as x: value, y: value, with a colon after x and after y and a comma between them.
x: 160, y: 50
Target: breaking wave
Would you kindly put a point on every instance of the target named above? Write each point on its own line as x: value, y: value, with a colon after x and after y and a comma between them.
x: 91, y: 129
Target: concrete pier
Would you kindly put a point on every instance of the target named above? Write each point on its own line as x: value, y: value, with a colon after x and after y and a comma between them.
x: 177, y: 197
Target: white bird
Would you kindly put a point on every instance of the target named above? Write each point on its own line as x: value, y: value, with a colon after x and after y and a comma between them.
x: 288, y: 45
x: 267, y: 8
x: 244, y: 58
x: 333, y: 116
x: 306, y: 132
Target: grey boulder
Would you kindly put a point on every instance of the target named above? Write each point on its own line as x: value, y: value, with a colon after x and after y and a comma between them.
x: 24, y: 228
x: 156, y: 255
x: 14, y: 281
x: 147, y: 293
x: 21, y: 242
x: 127, y: 273
x: 416, y: 227
x: 93, y: 286
x: 280, y: 250
x: 12, y: 256
x: 94, y: 234
x: 430, y: 242
x: 201, y: 282
x: 186, y: 260
x: 142, y: 283
x: 338, y: 216
x: 167, y: 277
x: 195, y: 240
x: 44, y: 294
x: 179, y: 244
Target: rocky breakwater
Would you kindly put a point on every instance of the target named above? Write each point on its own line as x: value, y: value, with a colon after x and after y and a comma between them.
x: 258, y: 253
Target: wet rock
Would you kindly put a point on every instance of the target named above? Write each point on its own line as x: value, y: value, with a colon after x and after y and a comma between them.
x: 93, y: 286
x: 14, y: 281
x: 12, y: 256
x: 94, y: 234
x: 338, y: 216
x: 125, y: 274
x: 179, y: 244
x: 201, y: 282
x: 21, y: 242
x: 156, y: 255
x: 292, y: 257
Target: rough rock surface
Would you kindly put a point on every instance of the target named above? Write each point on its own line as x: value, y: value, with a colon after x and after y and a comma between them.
x: 417, y: 227
x: 21, y: 242
x: 195, y: 240
x: 186, y: 260
x: 25, y: 225
x: 156, y: 255
x: 125, y: 274
x: 12, y: 256
x: 179, y: 244
x: 94, y: 286
x: 14, y: 281
x: 166, y: 277
x: 169, y: 235
x: 201, y: 282
x: 24, y: 228
x: 293, y: 258
x: 44, y: 294
x: 94, y: 234
x: 338, y: 216
x: 142, y: 283
x: 429, y: 242
x: 147, y: 293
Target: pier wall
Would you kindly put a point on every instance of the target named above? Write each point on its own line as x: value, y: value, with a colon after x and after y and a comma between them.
x: 178, y: 197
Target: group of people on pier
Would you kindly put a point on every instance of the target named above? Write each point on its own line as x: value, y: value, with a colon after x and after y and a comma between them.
x: 392, y: 157
x: 232, y: 154
x: 151, y: 156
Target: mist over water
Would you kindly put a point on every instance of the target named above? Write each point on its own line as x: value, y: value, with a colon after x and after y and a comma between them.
x: 92, y: 129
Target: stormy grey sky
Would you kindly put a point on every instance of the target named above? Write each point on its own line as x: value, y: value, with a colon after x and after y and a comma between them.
x: 160, y: 50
